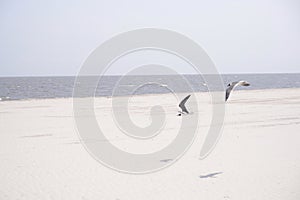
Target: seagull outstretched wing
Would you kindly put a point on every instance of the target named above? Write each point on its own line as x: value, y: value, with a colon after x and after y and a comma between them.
x: 182, y: 104
x: 229, y: 89
x: 232, y: 85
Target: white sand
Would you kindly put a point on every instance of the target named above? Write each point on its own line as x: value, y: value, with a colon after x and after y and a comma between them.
x: 258, y: 156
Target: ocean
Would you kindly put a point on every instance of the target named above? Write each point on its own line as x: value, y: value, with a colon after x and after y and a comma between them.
x: 19, y: 88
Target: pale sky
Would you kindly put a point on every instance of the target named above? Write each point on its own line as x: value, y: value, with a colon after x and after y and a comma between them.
x: 40, y: 38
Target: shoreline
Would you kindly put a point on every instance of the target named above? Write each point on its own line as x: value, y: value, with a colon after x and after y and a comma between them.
x: 152, y: 94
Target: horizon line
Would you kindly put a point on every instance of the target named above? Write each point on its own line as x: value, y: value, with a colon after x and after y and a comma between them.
x: 237, y: 73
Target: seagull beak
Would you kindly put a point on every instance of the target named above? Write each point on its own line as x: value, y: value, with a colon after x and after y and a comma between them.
x: 246, y: 84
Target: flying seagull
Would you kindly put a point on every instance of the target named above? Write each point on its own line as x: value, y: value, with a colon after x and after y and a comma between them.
x: 182, y: 106
x: 232, y: 85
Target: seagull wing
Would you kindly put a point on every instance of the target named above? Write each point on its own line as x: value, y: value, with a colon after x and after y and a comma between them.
x: 233, y: 85
x: 229, y: 89
x: 182, y: 104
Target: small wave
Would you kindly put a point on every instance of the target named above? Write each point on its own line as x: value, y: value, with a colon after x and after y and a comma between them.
x: 155, y: 83
x: 5, y: 98
x: 129, y: 85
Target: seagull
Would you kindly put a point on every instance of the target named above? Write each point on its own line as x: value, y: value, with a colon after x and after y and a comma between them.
x: 182, y: 106
x: 232, y: 85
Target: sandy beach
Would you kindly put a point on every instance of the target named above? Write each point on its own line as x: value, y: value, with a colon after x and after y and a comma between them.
x: 257, y: 157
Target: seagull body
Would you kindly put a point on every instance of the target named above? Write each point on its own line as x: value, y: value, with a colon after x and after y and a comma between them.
x: 182, y: 106
x: 232, y: 85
